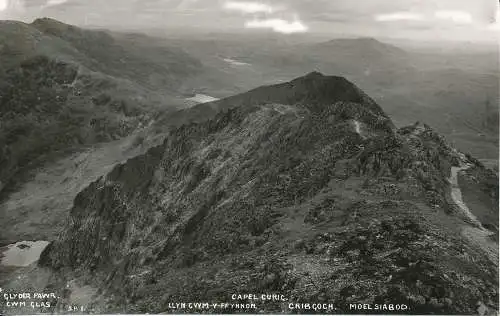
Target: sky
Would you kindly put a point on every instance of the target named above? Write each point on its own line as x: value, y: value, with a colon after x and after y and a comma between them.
x: 468, y: 20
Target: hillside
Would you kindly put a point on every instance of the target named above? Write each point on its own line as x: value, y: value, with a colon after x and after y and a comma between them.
x: 369, y: 52
x: 307, y: 190
x: 50, y: 107
x: 139, y: 58
x: 20, y: 41
x: 360, y: 59
x: 132, y: 56
x: 63, y: 88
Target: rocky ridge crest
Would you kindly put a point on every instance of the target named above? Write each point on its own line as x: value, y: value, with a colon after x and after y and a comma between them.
x: 273, y: 196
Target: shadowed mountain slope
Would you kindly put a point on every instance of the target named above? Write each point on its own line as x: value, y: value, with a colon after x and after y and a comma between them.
x: 304, y: 189
x: 154, y: 65
x: 63, y: 87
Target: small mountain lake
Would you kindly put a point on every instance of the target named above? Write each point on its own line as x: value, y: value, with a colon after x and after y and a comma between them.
x: 235, y: 62
x: 22, y: 254
x: 201, y: 98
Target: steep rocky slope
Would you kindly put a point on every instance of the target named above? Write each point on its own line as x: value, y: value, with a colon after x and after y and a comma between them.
x: 63, y: 88
x: 306, y: 190
x: 48, y: 106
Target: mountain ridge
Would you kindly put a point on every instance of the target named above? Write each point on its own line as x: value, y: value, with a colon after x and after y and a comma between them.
x: 112, y: 54
x: 371, y: 42
x: 311, y: 92
x: 64, y: 88
x: 289, y: 195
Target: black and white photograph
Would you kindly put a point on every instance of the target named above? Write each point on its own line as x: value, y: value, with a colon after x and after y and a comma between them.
x: 329, y: 157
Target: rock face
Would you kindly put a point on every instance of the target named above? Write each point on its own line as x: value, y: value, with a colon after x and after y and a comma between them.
x: 285, y: 194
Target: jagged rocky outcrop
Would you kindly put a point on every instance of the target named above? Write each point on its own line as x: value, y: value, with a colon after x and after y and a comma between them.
x: 304, y: 189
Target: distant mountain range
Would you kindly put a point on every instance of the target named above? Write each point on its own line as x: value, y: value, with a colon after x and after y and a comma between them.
x: 426, y: 84
x: 306, y: 189
x: 366, y: 56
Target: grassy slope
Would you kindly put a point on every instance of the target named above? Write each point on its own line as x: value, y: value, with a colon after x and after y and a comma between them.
x: 64, y: 87
x: 132, y: 56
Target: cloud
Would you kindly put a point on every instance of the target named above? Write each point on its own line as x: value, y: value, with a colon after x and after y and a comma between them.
x: 249, y: 7
x: 399, y: 16
x: 55, y: 2
x: 455, y: 16
x: 495, y: 26
x: 278, y: 25
x: 12, y: 9
x: 459, y: 17
x: 273, y: 17
x: 186, y: 5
